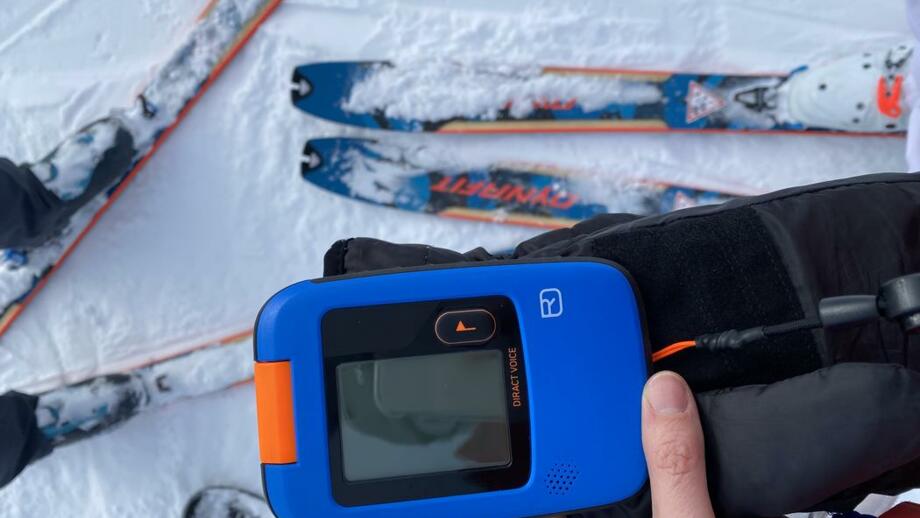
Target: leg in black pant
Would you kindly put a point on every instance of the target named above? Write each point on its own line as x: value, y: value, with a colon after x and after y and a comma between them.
x: 29, y: 213
x: 37, y: 201
x: 22, y: 441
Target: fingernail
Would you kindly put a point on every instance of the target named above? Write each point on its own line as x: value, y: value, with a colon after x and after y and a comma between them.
x: 667, y: 393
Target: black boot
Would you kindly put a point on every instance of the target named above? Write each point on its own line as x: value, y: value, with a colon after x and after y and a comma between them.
x: 226, y: 502
x: 38, y: 200
x: 89, y: 162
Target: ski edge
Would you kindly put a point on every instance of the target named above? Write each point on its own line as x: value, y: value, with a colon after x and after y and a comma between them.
x: 132, y: 363
x: 549, y: 127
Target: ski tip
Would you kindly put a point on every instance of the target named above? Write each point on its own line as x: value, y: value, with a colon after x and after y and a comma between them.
x: 333, y: 78
x: 311, y: 160
x: 301, y: 87
x: 319, y: 154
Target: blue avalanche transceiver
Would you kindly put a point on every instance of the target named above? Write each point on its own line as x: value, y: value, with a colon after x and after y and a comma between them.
x: 498, y: 389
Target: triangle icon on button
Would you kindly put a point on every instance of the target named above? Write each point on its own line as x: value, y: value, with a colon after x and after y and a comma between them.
x: 461, y: 328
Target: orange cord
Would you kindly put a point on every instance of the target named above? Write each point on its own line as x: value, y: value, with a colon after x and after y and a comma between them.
x: 674, y: 348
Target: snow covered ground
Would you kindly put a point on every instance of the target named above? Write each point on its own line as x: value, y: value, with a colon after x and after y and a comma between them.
x: 220, y: 218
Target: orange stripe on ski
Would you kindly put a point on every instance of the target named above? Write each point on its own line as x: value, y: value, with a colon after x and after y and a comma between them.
x: 501, y: 217
x: 9, y: 315
x: 207, y: 9
x: 625, y: 182
x: 552, y: 126
x: 650, y: 73
x: 234, y: 337
x: 227, y: 340
x: 520, y: 127
x: 221, y: 65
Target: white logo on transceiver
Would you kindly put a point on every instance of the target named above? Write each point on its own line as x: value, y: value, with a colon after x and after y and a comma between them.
x: 550, y: 303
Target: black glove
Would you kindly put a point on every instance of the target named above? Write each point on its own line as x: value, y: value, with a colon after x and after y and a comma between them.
x: 792, y: 423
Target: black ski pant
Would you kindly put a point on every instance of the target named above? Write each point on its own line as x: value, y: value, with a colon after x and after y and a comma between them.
x: 21, y: 442
x: 29, y: 213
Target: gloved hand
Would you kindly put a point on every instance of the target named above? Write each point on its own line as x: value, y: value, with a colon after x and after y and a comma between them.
x: 810, y: 420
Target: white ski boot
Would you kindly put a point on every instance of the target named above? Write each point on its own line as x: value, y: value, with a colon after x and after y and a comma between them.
x: 860, y: 93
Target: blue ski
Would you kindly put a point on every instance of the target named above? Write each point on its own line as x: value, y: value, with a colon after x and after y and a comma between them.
x: 386, y: 174
x: 856, y: 95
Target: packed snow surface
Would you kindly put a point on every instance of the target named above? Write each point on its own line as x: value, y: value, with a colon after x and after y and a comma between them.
x: 220, y: 219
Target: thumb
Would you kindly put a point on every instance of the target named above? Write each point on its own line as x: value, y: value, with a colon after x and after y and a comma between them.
x: 673, y: 442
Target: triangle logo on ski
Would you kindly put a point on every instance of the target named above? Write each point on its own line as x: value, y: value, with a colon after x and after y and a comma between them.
x: 701, y: 102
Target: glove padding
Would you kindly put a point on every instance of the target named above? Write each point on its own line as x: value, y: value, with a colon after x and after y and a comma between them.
x: 789, y: 424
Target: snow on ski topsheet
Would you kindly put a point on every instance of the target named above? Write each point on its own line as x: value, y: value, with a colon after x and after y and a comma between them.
x: 75, y: 156
x: 179, y: 78
x: 376, y: 180
x: 441, y: 89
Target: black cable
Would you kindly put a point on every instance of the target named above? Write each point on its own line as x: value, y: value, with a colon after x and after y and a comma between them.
x: 791, y: 327
x: 832, y: 312
x: 898, y: 300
